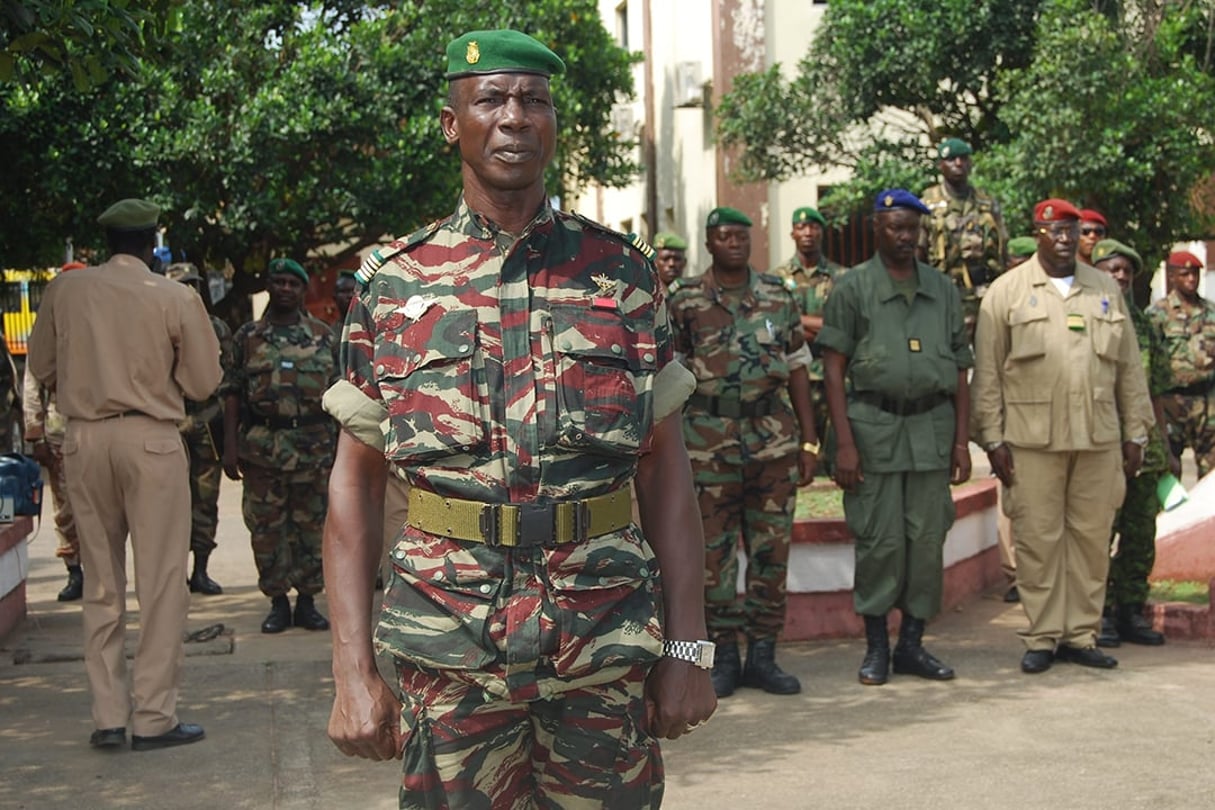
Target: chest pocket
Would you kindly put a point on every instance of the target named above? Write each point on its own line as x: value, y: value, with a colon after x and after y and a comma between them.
x: 1027, y: 333
x: 1107, y: 335
x: 604, y: 367
x: 288, y: 379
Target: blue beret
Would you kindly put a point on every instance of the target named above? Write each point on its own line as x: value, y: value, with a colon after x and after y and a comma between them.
x: 893, y: 198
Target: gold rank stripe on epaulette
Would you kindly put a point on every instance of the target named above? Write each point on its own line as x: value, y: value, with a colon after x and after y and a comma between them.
x: 636, y: 241
x: 378, y: 257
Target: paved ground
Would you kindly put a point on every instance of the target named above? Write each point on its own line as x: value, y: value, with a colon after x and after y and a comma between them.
x: 1142, y: 735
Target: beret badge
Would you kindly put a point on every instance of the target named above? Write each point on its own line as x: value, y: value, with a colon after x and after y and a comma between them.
x: 1048, y: 212
x: 889, y: 200
x: 473, y: 55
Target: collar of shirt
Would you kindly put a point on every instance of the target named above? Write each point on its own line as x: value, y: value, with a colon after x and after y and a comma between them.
x: 885, y: 288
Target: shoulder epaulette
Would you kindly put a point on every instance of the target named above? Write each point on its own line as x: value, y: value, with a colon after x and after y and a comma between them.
x: 770, y: 278
x: 378, y: 257
x: 631, y: 239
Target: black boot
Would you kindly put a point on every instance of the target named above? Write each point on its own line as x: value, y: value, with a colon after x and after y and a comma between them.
x: 910, y: 657
x: 875, y: 667
x: 199, y: 581
x: 1108, y: 637
x: 1134, y: 628
x: 279, y: 618
x: 306, y: 614
x: 727, y: 669
x: 762, y: 672
x: 74, y: 589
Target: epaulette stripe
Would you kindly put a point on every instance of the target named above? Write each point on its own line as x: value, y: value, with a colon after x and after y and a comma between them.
x: 380, y: 255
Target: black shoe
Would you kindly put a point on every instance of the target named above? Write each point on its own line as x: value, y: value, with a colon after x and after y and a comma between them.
x: 108, y: 738
x: 875, y: 666
x: 727, y: 669
x: 307, y: 616
x: 1085, y: 657
x: 1108, y: 637
x: 181, y: 734
x: 761, y: 671
x: 1035, y: 661
x: 279, y: 618
x: 199, y: 581
x: 910, y: 657
x: 1134, y: 628
x: 74, y: 589
x: 1012, y: 595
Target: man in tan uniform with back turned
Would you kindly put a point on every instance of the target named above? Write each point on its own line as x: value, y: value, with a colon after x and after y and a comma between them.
x: 121, y: 347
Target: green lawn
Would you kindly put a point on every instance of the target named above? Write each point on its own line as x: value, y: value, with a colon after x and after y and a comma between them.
x: 818, y: 501
x: 1197, y: 593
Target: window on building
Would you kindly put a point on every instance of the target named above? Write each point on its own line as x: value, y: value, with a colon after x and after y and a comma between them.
x: 622, y: 25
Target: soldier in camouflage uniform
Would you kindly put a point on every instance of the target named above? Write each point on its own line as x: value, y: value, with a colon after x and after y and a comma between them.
x: 964, y: 234
x: 343, y: 293
x: 1135, y: 523
x: 280, y: 441
x: 203, y: 432
x: 672, y: 257
x: 1188, y: 323
x: 514, y: 364
x: 739, y: 333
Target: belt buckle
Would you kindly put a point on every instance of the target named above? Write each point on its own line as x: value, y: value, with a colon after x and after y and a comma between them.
x: 582, y: 521
x: 490, y: 522
x: 536, y: 524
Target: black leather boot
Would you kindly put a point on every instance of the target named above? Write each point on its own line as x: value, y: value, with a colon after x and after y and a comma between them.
x: 727, y: 669
x: 1108, y: 636
x: 306, y: 614
x: 1134, y: 628
x: 875, y: 667
x: 74, y: 589
x: 279, y: 618
x: 762, y: 672
x: 199, y: 581
x: 910, y: 657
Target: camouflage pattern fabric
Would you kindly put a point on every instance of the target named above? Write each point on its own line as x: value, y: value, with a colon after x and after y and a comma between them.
x: 203, y: 431
x: 68, y: 548
x: 965, y: 238
x: 810, y: 290
x: 1189, y: 340
x: 1135, y: 524
x: 1159, y: 375
x: 285, y: 515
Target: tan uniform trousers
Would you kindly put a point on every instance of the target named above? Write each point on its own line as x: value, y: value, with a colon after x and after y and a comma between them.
x: 129, y: 474
x: 1062, y: 506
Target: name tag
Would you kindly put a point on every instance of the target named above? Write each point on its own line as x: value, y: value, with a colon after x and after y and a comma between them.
x: 1075, y: 322
x: 913, y: 344
x: 286, y: 364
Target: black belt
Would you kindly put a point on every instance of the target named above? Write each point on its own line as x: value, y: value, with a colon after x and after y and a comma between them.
x: 124, y: 414
x: 902, y: 407
x: 287, y: 422
x: 1198, y: 389
x: 724, y: 406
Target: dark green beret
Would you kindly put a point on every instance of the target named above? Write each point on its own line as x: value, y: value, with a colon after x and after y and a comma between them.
x: 726, y: 216
x: 1108, y: 248
x: 281, y: 266
x: 1022, y: 246
x: 346, y: 274
x: 952, y: 148
x: 481, y: 52
x: 808, y: 214
x: 130, y: 215
x: 665, y: 240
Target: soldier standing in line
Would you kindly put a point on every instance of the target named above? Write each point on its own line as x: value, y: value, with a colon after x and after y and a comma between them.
x: 739, y: 333
x: 963, y: 235
x: 1187, y: 321
x: 1093, y: 229
x: 343, y: 292
x: 671, y: 257
x: 279, y: 439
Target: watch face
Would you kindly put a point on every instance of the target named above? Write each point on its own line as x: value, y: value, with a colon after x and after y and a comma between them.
x: 706, y: 650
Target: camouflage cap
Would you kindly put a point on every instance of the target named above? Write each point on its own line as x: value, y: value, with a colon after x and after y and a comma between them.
x: 1108, y: 248
x: 479, y: 53
x: 808, y: 214
x: 952, y: 148
x: 1022, y: 246
x: 725, y: 215
x: 281, y: 266
x: 665, y: 240
x: 130, y: 215
x: 182, y: 271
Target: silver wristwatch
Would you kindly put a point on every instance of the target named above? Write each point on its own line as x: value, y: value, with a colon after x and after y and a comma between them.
x: 699, y: 653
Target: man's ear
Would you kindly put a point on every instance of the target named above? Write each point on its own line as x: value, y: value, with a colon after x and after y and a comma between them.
x: 449, y: 125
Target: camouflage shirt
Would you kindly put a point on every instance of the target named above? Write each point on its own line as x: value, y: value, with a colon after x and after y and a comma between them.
x: 1159, y: 380
x: 961, y: 233
x: 737, y: 346
x: 1189, y: 338
x: 810, y: 289
x: 282, y: 371
x: 209, y: 410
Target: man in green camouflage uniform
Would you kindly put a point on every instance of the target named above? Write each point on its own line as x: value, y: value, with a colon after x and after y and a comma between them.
x: 280, y: 441
x: 343, y: 293
x: 1188, y: 323
x: 1135, y: 524
x: 513, y: 363
x: 203, y: 432
x: 739, y: 333
x: 671, y: 257
x: 963, y: 234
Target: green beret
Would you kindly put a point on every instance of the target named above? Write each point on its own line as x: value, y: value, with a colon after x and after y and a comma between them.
x: 130, y: 215
x: 1108, y: 248
x: 726, y: 216
x: 281, y: 266
x: 665, y: 240
x: 482, y: 52
x: 183, y: 272
x: 1022, y: 246
x: 952, y: 148
x: 808, y: 214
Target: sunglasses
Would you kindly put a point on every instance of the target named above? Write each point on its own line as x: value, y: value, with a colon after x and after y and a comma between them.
x: 1092, y: 231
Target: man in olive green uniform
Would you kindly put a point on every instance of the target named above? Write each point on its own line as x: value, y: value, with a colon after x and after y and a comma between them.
x: 671, y: 257
x: 1061, y: 406
x: 1188, y: 323
x: 739, y: 333
x: 279, y: 439
x: 893, y: 328
x: 964, y: 234
x: 1135, y: 525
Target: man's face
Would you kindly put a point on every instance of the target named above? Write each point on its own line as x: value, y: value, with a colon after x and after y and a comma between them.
x: 670, y: 263
x: 506, y: 128
x: 1121, y: 268
x: 956, y: 170
x: 1057, y: 241
x: 729, y: 245
x: 1184, y: 280
x: 897, y: 233
x: 343, y: 291
x: 286, y: 292
x: 808, y: 236
x: 1090, y: 234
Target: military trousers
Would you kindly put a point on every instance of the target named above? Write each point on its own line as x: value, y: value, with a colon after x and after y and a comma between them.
x: 68, y: 546
x: 1062, y: 506
x: 1135, y: 528
x: 206, y: 473
x: 1191, y: 423
x: 129, y: 474
x: 284, y: 512
x: 898, y: 522
x: 750, y: 504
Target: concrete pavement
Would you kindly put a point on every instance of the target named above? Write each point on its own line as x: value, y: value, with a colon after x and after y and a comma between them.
x: 1142, y: 735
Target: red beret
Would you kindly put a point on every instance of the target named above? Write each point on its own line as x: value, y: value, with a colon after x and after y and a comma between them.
x: 1055, y: 210
x: 1184, y: 259
x: 72, y: 266
x: 1089, y: 215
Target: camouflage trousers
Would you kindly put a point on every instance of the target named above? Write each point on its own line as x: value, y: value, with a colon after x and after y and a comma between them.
x: 1191, y: 423
x: 1135, y: 524
x: 583, y: 748
x: 285, y: 514
x: 68, y: 548
x: 754, y: 503
x: 822, y: 428
x: 206, y: 472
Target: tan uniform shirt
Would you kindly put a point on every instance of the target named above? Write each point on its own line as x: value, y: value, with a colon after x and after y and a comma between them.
x: 118, y: 338
x: 1057, y: 373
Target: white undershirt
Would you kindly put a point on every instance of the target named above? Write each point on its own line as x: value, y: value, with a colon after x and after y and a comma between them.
x: 1063, y: 284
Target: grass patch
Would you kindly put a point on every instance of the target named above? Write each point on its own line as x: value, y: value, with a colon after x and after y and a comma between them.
x: 820, y: 501
x: 1197, y: 593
